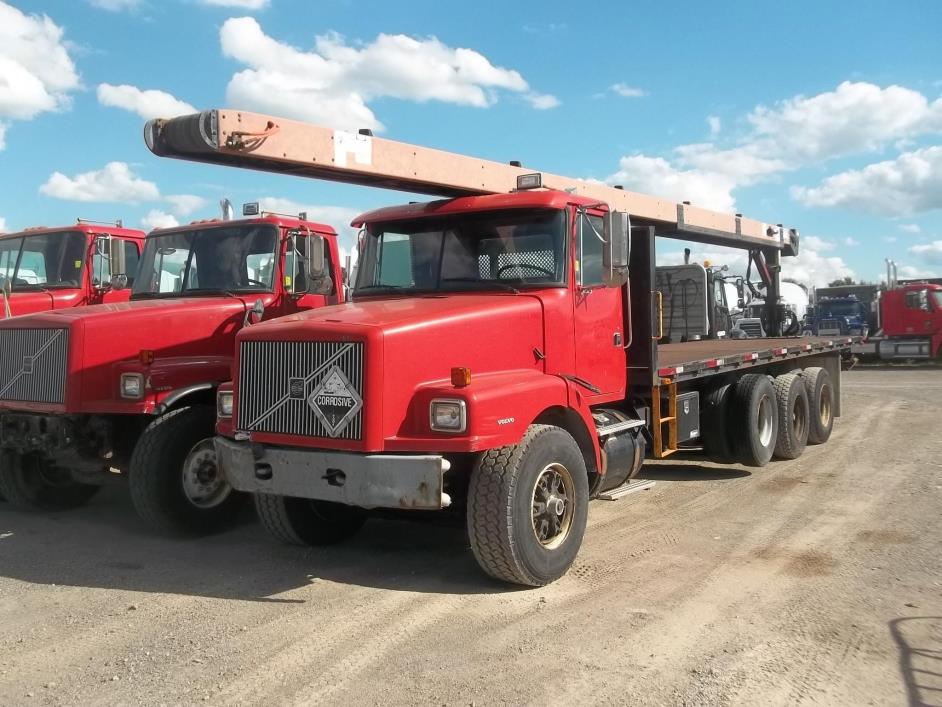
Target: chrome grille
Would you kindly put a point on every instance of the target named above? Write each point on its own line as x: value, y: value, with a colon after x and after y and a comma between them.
x: 752, y: 327
x: 276, y: 378
x: 828, y: 327
x: 33, y: 365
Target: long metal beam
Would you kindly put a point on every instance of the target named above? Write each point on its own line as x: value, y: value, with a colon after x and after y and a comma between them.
x: 262, y: 142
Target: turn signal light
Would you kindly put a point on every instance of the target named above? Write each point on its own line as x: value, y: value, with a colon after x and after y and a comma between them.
x: 146, y: 356
x: 460, y: 377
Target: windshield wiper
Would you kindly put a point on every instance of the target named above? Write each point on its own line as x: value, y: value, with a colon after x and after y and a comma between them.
x: 380, y: 287
x: 483, y: 283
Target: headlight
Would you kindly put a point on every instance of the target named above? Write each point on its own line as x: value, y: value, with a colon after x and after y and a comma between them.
x: 132, y: 386
x: 448, y: 416
x: 224, y: 403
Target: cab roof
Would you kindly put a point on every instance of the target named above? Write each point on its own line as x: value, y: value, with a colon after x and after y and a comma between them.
x: 265, y: 218
x: 106, y: 228
x: 530, y: 199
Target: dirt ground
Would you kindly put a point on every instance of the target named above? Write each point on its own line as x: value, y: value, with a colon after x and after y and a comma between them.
x: 817, y: 581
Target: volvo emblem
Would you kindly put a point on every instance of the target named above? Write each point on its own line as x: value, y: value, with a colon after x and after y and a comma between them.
x: 335, y: 401
x: 296, y: 388
x: 28, y: 362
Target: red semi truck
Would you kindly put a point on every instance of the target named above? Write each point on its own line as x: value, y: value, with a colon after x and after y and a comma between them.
x: 500, y: 359
x: 102, y: 392
x: 56, y: 268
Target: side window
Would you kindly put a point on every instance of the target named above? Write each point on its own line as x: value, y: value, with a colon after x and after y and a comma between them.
x: 9, y: 252
x: 132, y: 258
x: 918, y: 300
x: 395, y: 266
x: 294, y: 278
x: 590, y: 250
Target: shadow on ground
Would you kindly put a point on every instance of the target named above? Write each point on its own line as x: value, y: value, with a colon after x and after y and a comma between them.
x: 690, y: 471
x: 919, y: 641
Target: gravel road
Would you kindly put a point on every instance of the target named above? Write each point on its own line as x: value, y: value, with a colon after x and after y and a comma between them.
x: 817, y: 581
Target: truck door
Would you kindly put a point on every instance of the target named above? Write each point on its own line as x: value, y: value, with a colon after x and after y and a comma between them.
x: 598, y: 322
x: 294, y: 281
x: 101, y: 273
x: 917, y: 313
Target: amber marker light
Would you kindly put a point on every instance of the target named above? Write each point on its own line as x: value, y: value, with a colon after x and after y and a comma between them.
x: 146, y: 356
x: 460, y: 377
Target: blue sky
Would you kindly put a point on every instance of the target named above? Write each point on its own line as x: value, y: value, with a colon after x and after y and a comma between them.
x: 823, y: 115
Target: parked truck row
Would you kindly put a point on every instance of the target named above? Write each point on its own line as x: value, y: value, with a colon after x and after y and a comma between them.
x: 503, y: 360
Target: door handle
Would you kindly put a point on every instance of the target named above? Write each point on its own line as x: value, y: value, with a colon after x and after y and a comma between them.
x: 660, y: 313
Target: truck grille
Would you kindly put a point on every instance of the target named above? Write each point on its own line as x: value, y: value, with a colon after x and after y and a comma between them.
x: 829, y: 327
x: 309, y: 388
x: 33, y: 365
x: 752, y: 327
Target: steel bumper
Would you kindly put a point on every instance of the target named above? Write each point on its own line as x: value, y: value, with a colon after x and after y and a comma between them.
x: 365, y: 480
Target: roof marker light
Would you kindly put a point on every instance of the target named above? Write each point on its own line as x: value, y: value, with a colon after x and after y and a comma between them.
x: 529, y: 181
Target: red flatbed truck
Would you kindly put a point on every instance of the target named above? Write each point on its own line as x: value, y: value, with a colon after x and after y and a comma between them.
x: 127, y: 390
x: 499, y: 360
x: 44, y: 268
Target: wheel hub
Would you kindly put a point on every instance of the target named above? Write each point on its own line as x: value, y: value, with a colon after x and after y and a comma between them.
x: 203, y: 485
x: 552, y: 506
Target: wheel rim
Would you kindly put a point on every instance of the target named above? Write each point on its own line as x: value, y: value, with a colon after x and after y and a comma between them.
x: 824, y: 405
x: 203, y: 485
x: 553, y: 505
x: 764, y: 420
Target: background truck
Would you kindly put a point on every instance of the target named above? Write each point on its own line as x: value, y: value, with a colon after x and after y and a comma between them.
x: 102, y: 392
x: 838, y: 316
x: 56, y: 268
x: 500, y: 359
x: 694, y: 299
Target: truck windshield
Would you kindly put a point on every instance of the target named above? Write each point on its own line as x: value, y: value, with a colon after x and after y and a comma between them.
x: 839, y: 309
x: 503, y: 250
x: 937, y: 298
x: 208, y: 260
x: 51, y: 260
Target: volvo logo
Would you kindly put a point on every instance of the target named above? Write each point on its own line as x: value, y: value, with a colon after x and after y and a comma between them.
x: 28, y: 362
x: 335, y: 401
x: 296, y: 388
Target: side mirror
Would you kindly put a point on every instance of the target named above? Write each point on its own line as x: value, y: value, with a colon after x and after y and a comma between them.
x: 119, y: 282
x: 617, y: 250
x: 5, y: 287
x: 316, y: 266
x: 255, y: 314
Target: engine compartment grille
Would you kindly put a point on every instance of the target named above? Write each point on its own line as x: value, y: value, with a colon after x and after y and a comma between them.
x: 33, y: 365
x: 307, y: 388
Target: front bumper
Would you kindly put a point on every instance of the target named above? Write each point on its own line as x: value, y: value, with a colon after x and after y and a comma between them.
x: 365, y: 480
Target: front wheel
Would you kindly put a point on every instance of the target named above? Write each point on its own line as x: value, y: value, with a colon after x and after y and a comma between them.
x: 29, y: 482
x: 175, y: 483
x: 527, y: 507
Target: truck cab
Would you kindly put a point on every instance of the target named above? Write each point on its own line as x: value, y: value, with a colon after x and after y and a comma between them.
x: 44, y: 268
x: 838, y: 316
x: 693, y: 298
x: 127, y: 389
x: 911, y: 317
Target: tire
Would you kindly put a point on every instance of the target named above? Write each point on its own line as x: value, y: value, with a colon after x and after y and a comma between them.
x: 714, y: 425
x: 301, y: 521
x: 30, y: 483
x: 754, y: 414
x: 174, y: 482
x: 793, y: 413
x: 820, y: 404
x: 504, y: 485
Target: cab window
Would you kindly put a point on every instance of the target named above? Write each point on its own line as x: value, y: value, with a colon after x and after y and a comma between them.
x: 591, y: 271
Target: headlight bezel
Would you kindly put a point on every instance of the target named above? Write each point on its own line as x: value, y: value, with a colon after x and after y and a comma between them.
x: 221, y: 396
x: 123, y: 387
x: 461, y: 420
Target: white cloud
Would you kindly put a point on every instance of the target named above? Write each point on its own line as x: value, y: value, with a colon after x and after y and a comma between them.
x: 156, y: 218
x: 185, y: 204
x: 542, y: 101
x: 911, y: 272
x: 930, y: 252
x: 851, y: 241
x: 817, y: 244
x: 715, y: 125
x: 910, y: 227
x: 655, y: 175
x: 115, y: 5
x: 239, y: 4
x: 909, y: 184
x: 890, y: 239
x: 148, y: 103
x: 115, y: 182
x: 36, y: 72
x: 626, y: 91
x: 3, y: 135
x: 334, y: 83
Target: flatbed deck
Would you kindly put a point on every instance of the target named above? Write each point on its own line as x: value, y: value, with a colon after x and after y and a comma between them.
x: 690, y: 359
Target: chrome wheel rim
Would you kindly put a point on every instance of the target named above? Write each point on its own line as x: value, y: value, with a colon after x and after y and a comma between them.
x: 824, y: 405
x: 764, y: 415
x: 552, y: 506
x: 203, y: 484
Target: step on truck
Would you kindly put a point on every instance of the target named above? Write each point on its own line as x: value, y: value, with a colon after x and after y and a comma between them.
x: 45, y: 268
x: 499, y: 360
x: 107, y: 392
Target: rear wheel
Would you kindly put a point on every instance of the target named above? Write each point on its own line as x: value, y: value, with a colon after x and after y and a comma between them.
x: 302, y: 521
x: 792, y: 399
x: 754, y: 415
x: 175, y: 483
x: 528, y: 506
x: 820, y: 404
x: 29, y: 482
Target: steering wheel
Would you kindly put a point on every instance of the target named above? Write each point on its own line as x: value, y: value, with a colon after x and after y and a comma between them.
x: 538, y: 268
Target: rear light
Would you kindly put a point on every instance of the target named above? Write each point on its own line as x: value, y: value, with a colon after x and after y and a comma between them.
x: 447, y: 415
